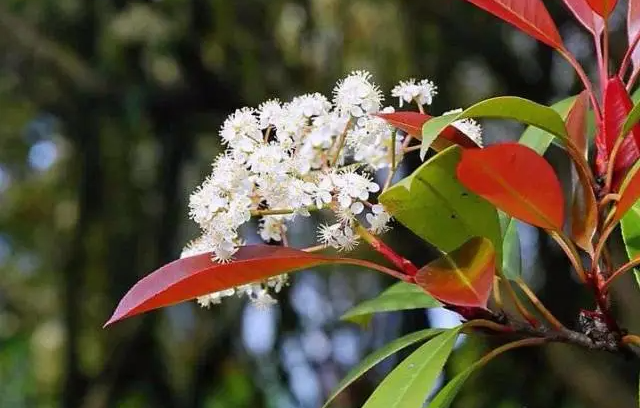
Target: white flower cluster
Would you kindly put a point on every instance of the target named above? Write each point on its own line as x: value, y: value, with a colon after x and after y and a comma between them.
x: 284, y: 160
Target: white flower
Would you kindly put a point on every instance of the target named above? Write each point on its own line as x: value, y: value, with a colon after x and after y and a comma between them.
x: 205, y: 202
x: 269, y: 112
x: 241, y: 130
x: 378, y: 220
x: 271, y: 228
x: 267, y: 158
x: 278, y: 282
x: 421, y: 92
x: 262, y: 299
x: 468, y: 126
x: 427, y: 91
x: 347, y: 215
x: 326, y: 127
x: 371, y: 141
x: 311, y: 104
x: 352, y: 186
x: 356, y: 95
x: 339, y: 236
x: 197, y: 246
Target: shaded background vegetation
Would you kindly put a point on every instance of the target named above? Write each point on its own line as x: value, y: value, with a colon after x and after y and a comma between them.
x: 109, y: 111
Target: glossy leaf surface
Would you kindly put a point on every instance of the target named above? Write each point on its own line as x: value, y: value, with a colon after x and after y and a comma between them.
x: 408, y: 385
x: 432, y: 200
x: 516, y: 180
x: 412, y: 122
x: 630, y: 226
x: 504, y: 107
x: 463, y: 277
x: 530, y: 16
x: 617, y: 105
x: 377, y: 356
x: 539, y: 139
x: 188, y: 278
x: 400, y: 296
x: 602, y: 7
x: 583, y: 13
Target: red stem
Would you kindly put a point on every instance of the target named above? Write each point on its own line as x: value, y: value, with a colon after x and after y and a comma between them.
x: 385, y: 250
x: 585, y: 81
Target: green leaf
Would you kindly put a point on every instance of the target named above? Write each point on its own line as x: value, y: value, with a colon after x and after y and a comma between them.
x: 400, y: 296
x: 630, y: 225
x: 408, y: 385
x: 433, y: 204
x: 512, y: 255
x: 539, y: 139
x: 631, y: 120
x: 446, y: 395
x: 504, y: 107
x: 379, y: 355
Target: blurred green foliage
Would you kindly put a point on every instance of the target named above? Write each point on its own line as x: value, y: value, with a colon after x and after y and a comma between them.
x: 109, y: 111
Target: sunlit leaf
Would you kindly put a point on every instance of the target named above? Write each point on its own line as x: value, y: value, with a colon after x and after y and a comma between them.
x: 188, y: 278
x: 431, y: 201
x: 504, y: 107
x: 516, y: 180
x: 412, y: 122
x: 379, y: 355
x: 409, y: 383
x: 602, y: 7
x: 629, y: 192
x: 630, y: 226
x: 530, y: 16
x: 583, y: 13
x: 400, y: 296
x: 539, y: 139
x: 463, y: 277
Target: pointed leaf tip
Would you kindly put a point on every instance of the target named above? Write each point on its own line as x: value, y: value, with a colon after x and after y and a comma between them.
x: 530, y: 16
x: 188, y: 278
x: 603, y: 8
x: 585, y: 15
x: 463, y: 277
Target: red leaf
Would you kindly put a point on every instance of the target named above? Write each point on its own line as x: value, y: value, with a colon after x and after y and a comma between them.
x: 583, y: 13
x: 576, y: 122
x: 188, y: 278
x: 617, y: 105
x: 629, y: 192
x: 633, y: 29
x: 530, y: 16
x: 584, y: 208
x: 411, y: 122
x: 517, y: 180
x: 463, y: 277
x: 602, y: 7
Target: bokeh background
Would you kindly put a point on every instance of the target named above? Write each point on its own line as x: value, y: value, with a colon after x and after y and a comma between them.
x: 109, y: 113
